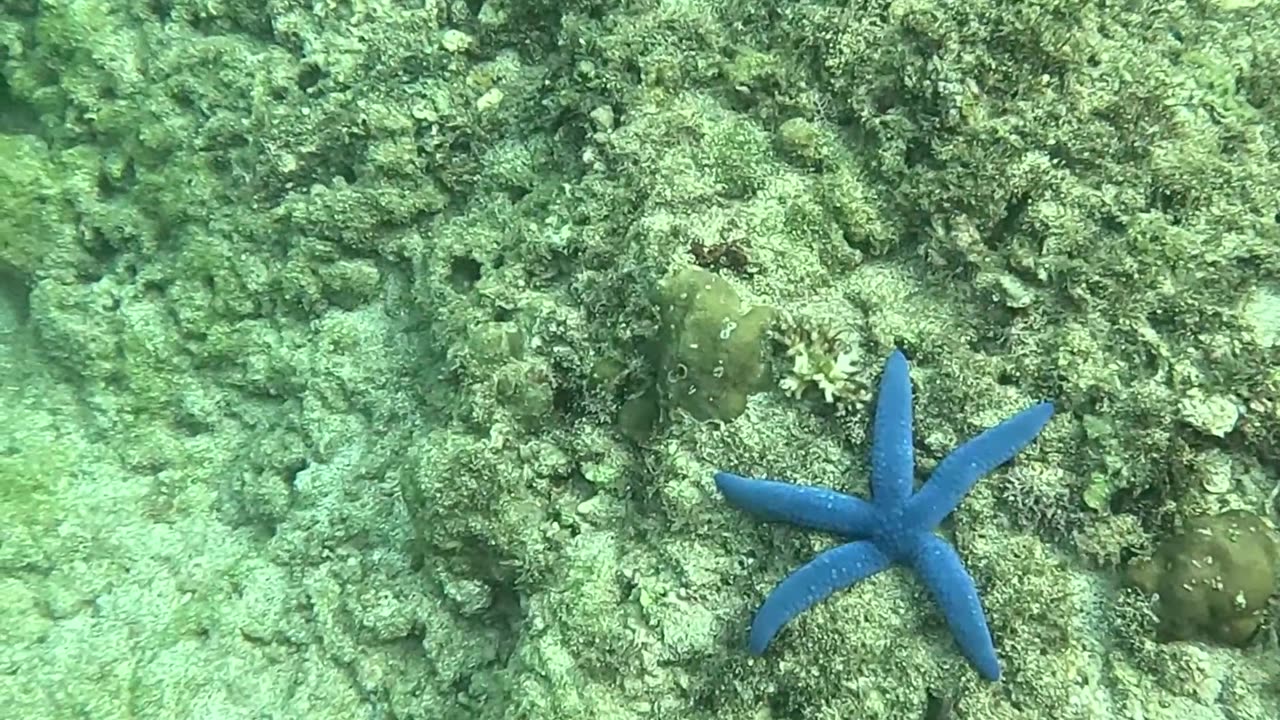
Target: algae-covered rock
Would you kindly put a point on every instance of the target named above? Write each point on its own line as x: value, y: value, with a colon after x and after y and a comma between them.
x: 27, y: 190
x: 639, y: 415
x: 1213, y: 578
x: 711, y: 348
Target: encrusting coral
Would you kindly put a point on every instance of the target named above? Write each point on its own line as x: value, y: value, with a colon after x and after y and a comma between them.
x: 711, y: 347
x: 1213, y: 579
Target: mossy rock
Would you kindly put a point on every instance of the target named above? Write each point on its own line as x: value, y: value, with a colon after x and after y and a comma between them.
x: 1213, y: 579
x: 711, y: 348
x: 28, y: 197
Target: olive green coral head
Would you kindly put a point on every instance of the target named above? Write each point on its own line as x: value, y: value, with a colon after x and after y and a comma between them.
x: 1213, y: 578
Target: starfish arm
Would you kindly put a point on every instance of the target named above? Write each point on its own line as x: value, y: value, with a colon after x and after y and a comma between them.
x: 809, y: 506
x: 892, y: 457
x: 952, y: 588
x: 958, y: 471
x: 833, y: 570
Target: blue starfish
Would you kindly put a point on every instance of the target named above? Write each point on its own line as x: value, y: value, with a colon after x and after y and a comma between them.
x: 896, y: 524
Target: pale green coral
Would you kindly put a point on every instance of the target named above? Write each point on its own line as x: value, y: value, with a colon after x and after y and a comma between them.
x: 1214, y: 415
x: 822, y: 361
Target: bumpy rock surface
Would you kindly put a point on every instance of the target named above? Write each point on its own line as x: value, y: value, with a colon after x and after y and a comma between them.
x: 711, y: 347
x: 1213, y: 578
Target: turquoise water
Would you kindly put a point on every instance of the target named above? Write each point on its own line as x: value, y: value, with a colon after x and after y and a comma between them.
x: 373, y: 359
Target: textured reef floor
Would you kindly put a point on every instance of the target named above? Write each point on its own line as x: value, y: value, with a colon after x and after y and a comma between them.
x: 373, y: 359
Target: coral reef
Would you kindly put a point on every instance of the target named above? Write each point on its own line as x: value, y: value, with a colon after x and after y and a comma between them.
x: 820, y: 361
x: 711, y: 348
x: 1214, y: 578
x: 348, y: 369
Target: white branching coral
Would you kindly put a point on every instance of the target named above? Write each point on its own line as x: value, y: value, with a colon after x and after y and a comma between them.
x: 822, y: 360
